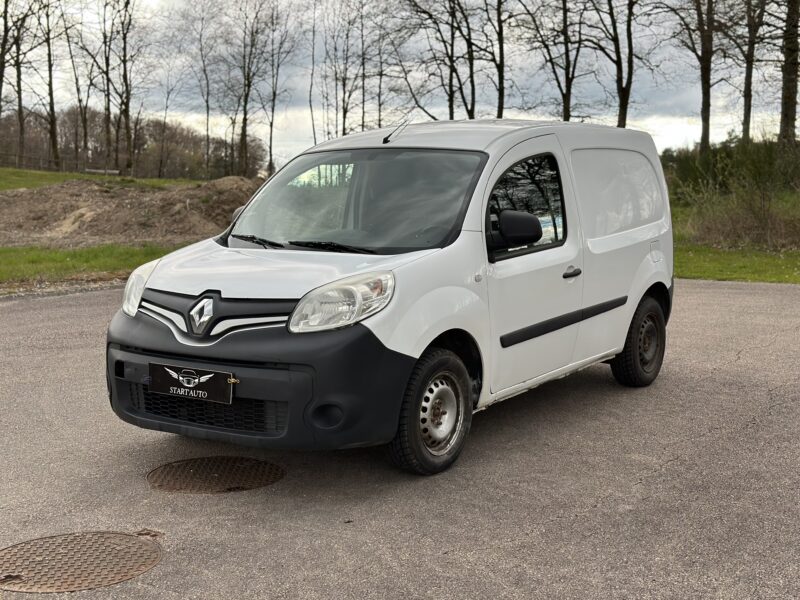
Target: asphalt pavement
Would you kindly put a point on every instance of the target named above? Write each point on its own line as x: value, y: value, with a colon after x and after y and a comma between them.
x: 578, y: 489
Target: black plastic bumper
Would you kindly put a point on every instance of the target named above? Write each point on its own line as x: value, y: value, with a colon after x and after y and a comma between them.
x: 332, y: 389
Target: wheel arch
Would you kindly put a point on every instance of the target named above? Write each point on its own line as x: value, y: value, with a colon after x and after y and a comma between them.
x: 463, y: 345
x: 660, y: 292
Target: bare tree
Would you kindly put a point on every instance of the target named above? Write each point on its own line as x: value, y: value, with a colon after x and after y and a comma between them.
x: 12, y: 12
x: 556, y: 29
x: 101, y: 54
x: 790, y: 50
x: 415, y: 86
x: 228, y: 100
x: 48, y: 30
x: 5, y: 45
x: 612, y: 33
x: 341, y: 69
x: 280, y: 42
x: 20, y: 47
x: 379, y: 68
x: 171, y: 78
x: 312, y: 72
x: 744, y: 29
x: 492, y: 45
x: 697, y: 21
x: 249, y: 58
x: 82, y: 94
x: 200, y: 23
x: 128, y: 52
x: 448, y: 35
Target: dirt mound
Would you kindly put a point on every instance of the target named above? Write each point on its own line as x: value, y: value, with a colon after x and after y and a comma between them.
x: 86, y: 213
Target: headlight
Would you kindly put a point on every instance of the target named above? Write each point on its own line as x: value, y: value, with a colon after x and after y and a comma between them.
x: 342, y: 302
x: 135, y: 288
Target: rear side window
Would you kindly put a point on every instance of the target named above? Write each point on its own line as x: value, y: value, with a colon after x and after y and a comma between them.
x: 532, y: 185
x: 618, y: 191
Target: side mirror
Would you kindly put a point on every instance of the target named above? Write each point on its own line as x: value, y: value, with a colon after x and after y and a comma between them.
x: 236, y: 213
x: 519, y: 228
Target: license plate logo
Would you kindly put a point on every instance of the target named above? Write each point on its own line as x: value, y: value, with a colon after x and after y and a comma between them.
x: 188, y: 377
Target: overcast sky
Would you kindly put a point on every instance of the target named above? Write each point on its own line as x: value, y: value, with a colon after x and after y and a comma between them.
x: 665, y: 104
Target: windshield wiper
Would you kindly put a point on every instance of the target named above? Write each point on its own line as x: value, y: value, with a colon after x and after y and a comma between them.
x: 332, y: 246
x: 249, y: 237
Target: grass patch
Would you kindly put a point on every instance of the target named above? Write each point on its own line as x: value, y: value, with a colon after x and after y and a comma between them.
x: 693, y: 261
x: 11, y: 179
x: 54, y: 264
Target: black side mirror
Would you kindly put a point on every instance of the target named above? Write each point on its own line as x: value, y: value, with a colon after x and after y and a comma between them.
x: 519, y: 228
x: 236, y: 213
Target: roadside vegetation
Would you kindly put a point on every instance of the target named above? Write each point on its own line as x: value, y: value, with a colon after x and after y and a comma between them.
x: 736, y: 215
x: 736, y: 211
x: 12, y: 179
x: 32, y: 264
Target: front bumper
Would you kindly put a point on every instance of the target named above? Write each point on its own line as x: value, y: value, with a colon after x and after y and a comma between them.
x: 331, y: 389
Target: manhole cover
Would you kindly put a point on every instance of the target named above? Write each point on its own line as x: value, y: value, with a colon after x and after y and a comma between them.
x: 214, y: 475
x: 76, y: 561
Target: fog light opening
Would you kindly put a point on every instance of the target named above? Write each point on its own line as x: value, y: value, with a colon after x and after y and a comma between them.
x: 327, y: 416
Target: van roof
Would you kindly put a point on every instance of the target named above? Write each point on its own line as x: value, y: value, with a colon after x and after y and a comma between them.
x: 477, y: 134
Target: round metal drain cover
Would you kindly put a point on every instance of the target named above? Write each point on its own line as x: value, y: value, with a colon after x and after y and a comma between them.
x: 214, y: 475
x: 76, y: 561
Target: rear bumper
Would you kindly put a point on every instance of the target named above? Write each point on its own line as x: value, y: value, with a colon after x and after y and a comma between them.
x: 334, y: 389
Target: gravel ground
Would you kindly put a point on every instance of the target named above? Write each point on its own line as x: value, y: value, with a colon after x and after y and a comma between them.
x: 579, y: 489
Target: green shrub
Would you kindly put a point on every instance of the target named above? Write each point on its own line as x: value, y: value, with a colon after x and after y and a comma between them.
x: 739, y: 195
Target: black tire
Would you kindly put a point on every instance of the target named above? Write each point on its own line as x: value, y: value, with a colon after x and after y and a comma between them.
x: 640, y: 360
x: 437, y: 375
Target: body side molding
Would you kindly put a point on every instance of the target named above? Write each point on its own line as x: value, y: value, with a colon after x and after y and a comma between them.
x: 565, y: 320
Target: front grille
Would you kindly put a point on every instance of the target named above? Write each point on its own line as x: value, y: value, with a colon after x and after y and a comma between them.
x: 243, y: 414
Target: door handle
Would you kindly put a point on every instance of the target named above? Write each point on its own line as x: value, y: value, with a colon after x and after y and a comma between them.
x: 571, y: 272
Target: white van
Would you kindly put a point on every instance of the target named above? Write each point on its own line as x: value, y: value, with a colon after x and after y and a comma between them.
x: 382, y: 287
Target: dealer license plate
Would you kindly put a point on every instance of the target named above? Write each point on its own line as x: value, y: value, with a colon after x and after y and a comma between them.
x: 198, y: 384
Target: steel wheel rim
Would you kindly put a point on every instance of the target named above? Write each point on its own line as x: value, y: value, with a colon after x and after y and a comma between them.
x: 440, y: 414
x: 650, y: 343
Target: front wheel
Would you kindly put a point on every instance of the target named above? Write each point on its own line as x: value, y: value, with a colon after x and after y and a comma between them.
x: 435, y: 416
x: 640, y: 360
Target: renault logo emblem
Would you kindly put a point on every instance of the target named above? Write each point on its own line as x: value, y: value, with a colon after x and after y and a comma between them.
x: 201, y: 314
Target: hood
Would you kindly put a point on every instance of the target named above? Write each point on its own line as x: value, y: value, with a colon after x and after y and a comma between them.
x: 262, y: 273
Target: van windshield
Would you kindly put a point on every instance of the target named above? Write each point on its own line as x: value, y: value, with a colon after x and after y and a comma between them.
x: 383, y: 201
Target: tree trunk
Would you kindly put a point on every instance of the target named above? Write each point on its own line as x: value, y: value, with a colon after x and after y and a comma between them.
x: 76, y: 140
x: 117, y: 126
x: 566, y: 96
x: 52, y: 118
x: 630, y: 64
x: 706, y: 57
x: 20, y: 108
x: 243, y: 154
x: 451, y: 90
x: 624, y: 102
x: 271, y: 159
x: 501, y: 60
x: 128, y: 138
x: 84, y: 110
x: 791, y: 45
x: 345, y: 105
x: 107, y: 122
x: 705, y: 107
x: 163, y: 144
x: 208, y: 125
x: 313, y: 67
x: 4, y: 47
x: 363, y: 58
x: 747, y: 92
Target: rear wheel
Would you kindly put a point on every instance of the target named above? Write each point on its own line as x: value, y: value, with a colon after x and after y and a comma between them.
x: 640, y: 360
x: 435, y: 416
